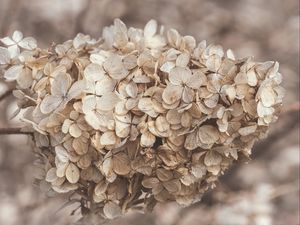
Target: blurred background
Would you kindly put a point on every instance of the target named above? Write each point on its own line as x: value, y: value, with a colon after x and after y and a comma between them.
x: 262, y: 192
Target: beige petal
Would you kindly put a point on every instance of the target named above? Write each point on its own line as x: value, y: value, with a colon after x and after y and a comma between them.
x: 100, y: 188
x: 17, y: 36
x: 198, y: 170
x: 147, y: 139
x: 107, y: 167
x: 61, y: 84
x: 187, y: 95
x: 150, y: 28
x: 173, y: 117
x: 229, y: 91
x: 186, y: 120
x: 264, y: 111
x: 252, y: 79
x: 108, y: 138
x: 195, y: 111
x: 191, y: 141
x: 121, y: 164
x: 131, y: 103
x: 65, y: 187
x: 267, y: 96
x: 190, y: 43
x: 167, y: 67
x: 145, y: 104
x: 61, y: 169
x: 172, y: 94
x: 163, y: 174
x: 241, y: 78
x: 208, y: 134
x: 51, y: 175
x: 72, y: 173
x: 162, y: 124
x: 84, y: 161
x: 75, y: 131
x: 28, y: 43
x: 4, y: 56
x: 122, y: 129
x: 76, y: 89
x: 247, y: 130
x: 212, y: 158
x: 130, y: 62
x: 25, y: 79
x: 98, y: 58
x: 105, y: 85
x: 132, y: 89
x: 7, y: 41
x: 13, y: 72
x: 50, y: 103
x: 173, y: 37
x: 183, y: 60
x: 107, y: 102
x: 172, y: 186
x: 170, y: 106
x: 124, y: 118
x: 115, y: 68
x: 212, y: 101
x: 179, y: 75
x: 141, y: 79
x: 120, y: 33
x: 213, y: 63
x: 197, y: 79
x: 150, y: 182
x: 250, y: 107
x: 112, y: 210
x: 80, y: 146
x: 89, y: 103
x: 62, y: 154
x: 94, y: 72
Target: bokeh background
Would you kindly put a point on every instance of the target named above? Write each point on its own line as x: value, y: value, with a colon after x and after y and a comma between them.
x: 262, y: 192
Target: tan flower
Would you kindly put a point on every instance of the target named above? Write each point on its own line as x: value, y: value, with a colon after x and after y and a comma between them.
x: 139, y: 116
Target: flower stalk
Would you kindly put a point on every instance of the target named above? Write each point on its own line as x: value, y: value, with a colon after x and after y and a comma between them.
x: 13, y: 130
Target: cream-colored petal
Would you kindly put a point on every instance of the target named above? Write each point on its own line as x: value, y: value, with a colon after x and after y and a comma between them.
x: 172, y: 94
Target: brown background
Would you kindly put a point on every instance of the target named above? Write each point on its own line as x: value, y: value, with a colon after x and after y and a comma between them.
x: 266, y: 29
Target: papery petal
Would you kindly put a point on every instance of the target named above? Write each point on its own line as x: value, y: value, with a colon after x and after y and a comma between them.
x: 61, y: 84
x: 76, y: 89
x: 105, y: 85
x: 150, y: 28
x: 7, y: 41
x: 28, y: 43
x: 50, y: 103
x: 107, y: 102
x: 172, y: 94
x: 179, y: 75
x: 13, y: 72
x: 4, y: 56
x: 17, y: 36
x: 14, y: 51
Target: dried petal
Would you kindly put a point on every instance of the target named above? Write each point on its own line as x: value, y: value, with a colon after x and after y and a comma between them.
x: 72, y: 173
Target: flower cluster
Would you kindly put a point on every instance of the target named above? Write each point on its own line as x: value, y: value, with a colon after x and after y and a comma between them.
x: 138, y: 116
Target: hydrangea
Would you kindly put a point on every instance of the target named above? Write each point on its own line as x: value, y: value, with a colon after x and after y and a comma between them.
x: 139, y: 117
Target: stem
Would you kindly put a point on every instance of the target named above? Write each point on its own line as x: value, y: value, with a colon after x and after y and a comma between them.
x: 6, y: 94
x: 13, y: 130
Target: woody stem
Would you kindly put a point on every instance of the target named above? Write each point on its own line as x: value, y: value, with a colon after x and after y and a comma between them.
x: 13, y: 130
x: 6, y: 94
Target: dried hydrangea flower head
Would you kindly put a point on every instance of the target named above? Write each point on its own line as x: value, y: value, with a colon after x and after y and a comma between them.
x: 138, y: 116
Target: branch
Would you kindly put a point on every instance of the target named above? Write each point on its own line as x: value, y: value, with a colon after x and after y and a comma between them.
x: 6, y: 94
x: 292, y: 108
x: 13, y: 130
